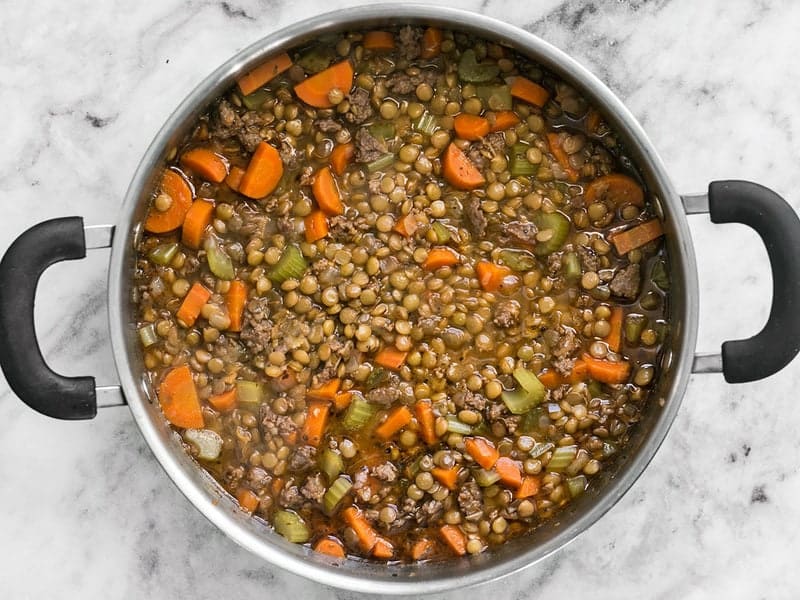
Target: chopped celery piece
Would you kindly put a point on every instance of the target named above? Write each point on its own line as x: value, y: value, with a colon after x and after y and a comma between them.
x: 539, y: 448
x: 255, y: 100
x: 316, y: 60
x: 471, y: 71
x: 518, y: 401
x: 518, y: 260
x: 572, y: 266
x: 382, y: 130
x: 380, y: 163
x: 336, y: 493
x: 331, y: 463
x: 555, y: 222
x: 660, y: 276
x: 249, y: 392
x: 218, y: 261
x: 518, y: 164
x: 486, y: 478
x: 481, y: 429
x: 633, y: 327
x: 576, y: 485
x: 291, y: 526
x: 562, y: 456
x: 426, y: 123
x: 531, y: 384
x: 495, y: 97
x: 442, y: 232
x: 207, y: 442
x: 147, y: 335
x: 358, y: 413
x: 595, y: 388
x: 163, y: 254
x: 291, y: 265
x: 456, y: 426
x: 662, y: 328
x: 530, y: 420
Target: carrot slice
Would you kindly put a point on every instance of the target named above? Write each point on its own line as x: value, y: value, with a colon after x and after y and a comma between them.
x: 424, y: 411
x: 367, y: 536
x: 615, y: 188
x: 247, y: 499
x: 326, y: 192
x: 263, y: 73
x: 197, y: 219
x: 454, y: 538
x: 178, y: 399
x: 341, y: 156
x: 431, y: 43
x: 440, y: 257
x: 580, y: 371
x: 447, y: 477
x: 314, y: 90
x: 607, y: 371
x: 235, y: 300
x: 471, y: 127
x: 529, y: 487
x: 509, y: 471
x: 192, y: 304
x: 482, y: 451
x: 330, y: 546
x: 174, y: 186
x: 234, y: 178
x: 316, y: 226
x: 397, y: 419
x: 378, y: 40
x: 614, y: 337
x: 225, y: 401
x: 390, y: 357
x: 342, y: 400
x: 490, y: 275
x: 561, y: 156
x: 459, y: 171
x: 530, y: 92
x: 636, y: 237
x: 316, y: 421
x: 206, y: 163
x: 550, y: 379
x: 503, y: 119
x: 407, y: 226
x: 327, y: 391
x: 593, y: 118
x: 263, y: 172
x: 383, y: 549
x: 421, y: 548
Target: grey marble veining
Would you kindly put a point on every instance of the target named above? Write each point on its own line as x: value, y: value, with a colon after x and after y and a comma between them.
x: 86, y: 511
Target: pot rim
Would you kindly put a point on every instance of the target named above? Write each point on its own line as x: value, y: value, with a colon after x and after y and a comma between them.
x: 184, y: 474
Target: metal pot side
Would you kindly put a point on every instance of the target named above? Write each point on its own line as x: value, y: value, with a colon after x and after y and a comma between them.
x: 364, y: 576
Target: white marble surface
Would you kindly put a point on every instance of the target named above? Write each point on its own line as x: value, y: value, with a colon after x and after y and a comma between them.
x: 85, y: 509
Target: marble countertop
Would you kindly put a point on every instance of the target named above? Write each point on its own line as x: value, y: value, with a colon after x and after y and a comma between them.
x: 86, y: 510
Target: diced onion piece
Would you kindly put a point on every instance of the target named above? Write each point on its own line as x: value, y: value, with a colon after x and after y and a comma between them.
x: 207, y: 442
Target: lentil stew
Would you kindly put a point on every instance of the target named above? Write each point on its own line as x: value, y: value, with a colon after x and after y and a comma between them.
x: 402, y: 294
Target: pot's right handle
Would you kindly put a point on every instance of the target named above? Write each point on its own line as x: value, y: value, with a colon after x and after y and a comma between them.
x: 27, y: 373
x: 776, y: 222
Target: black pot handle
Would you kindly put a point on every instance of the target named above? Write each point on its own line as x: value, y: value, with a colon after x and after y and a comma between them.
x: 20, y: 357
x: 776, y: 222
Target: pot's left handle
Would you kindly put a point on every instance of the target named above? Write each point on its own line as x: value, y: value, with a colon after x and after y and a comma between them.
x: 22, y: 362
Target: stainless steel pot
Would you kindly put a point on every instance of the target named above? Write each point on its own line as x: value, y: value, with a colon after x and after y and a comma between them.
x: 77, y: 398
